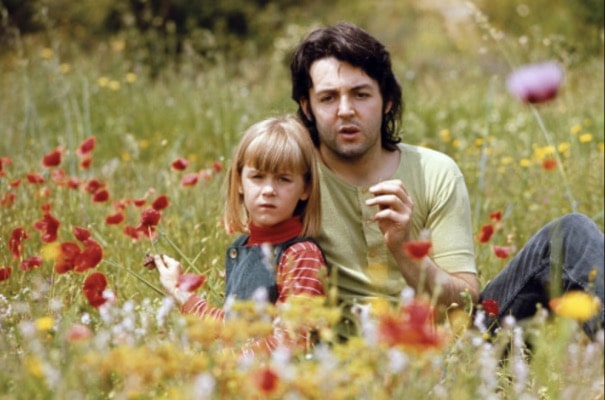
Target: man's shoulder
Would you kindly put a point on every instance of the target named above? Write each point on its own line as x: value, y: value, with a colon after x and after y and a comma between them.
x: 424, y: 154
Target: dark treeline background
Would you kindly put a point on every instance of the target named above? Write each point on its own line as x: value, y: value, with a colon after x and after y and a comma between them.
x: 236, y: 28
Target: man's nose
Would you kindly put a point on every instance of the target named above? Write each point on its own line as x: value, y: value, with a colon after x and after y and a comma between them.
x: 345, y: 107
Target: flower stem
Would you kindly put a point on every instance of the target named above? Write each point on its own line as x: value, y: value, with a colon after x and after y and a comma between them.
x: 550, y: 142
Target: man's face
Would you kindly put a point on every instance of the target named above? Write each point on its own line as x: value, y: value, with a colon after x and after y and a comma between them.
x: 348, y: 109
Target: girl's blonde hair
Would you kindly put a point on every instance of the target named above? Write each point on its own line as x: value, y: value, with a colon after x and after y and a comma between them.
x: 274, y: 145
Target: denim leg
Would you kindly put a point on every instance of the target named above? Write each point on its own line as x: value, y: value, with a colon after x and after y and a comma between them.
x: 566, y: 250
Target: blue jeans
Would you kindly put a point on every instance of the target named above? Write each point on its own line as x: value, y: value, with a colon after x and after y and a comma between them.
x: 558, y: 258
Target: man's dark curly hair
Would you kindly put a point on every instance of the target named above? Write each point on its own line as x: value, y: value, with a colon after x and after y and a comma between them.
x: 349, y: 43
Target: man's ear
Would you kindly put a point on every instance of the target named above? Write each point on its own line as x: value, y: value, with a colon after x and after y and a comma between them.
x: 305, y: 106
x: 387, y: 106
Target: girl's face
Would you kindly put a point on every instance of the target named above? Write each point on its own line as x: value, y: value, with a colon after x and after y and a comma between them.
x: 271, y: 198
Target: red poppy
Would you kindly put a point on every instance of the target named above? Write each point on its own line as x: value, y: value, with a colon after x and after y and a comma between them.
x: 549, y: 164
x: 5, y: 273
x: 48, y: 226
x: 35, y: 178
x: 100, y: 196
x: 501, y: 251
x: 179, y: 164
x: 8, y: 199
x: 15, y: 243
x: 139, y: 202
x: 31, y: 263
x: 190, y: 282
x: 86, y: 146
x: 15, y: 183
x: 73, y: 183
x: 93, y: 186
x: 81, y: 233
x: 94, y: 286
x: 486, y: 233
x: 85, y: 163
x: 59, y: 176
x: 90, y: 257
x: 150, y: 217
x: 160, y: 203
x: 190, y: 179
x: 46, y: 207
x: 491, y: 307
x: 412, y: 327
x: 115, y: 219
x: 417, y: 249
x: 132, y: 232
x: 52, y: 159
x: 4, y: 161
x: 65, y: 261
x: 495, y: 216
x: 217, y: 166
x: 266, y: 380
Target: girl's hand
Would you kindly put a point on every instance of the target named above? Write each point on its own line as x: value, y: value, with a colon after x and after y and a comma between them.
x: 170, y: 272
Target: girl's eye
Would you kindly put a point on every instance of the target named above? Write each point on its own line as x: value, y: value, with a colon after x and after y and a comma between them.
x: 285, y: 179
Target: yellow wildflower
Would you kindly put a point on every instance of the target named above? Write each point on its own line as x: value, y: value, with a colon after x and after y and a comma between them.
x: 114, y: 85
x: 103, y: 81
x: 47, y: 53
x: 50, y: 251
x: 577, y: 305
x: 131, y: 77
x: 456, y: 143
x: 144, y: 143
x: 507, y: 160
x: 575, y: 129
x: 445, y: 135
x: 34, y: 366
x: 525, y: 163
x: 585, y: 138
x: 563, y: 147
x: 64, y: 68
x: 479, y: 142
x: 44, y: 324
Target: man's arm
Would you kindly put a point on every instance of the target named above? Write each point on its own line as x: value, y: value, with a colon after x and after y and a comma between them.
x: 394, y: 216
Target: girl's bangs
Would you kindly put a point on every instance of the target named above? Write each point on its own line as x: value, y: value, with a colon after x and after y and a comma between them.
x: 276, y: 153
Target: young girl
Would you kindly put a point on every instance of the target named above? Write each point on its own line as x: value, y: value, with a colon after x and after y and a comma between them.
x: 272, y: 199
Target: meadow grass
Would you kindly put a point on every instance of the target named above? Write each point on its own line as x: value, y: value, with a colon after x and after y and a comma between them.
x: 56, y: 94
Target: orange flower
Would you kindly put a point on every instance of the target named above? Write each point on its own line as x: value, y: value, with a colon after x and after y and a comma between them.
x: 413, y: 326
x: 549, y: 164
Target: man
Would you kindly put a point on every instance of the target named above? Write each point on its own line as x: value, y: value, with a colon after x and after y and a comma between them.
x: 379, y: 194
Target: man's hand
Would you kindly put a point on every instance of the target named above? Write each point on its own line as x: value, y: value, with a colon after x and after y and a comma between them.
x: 394, y: 216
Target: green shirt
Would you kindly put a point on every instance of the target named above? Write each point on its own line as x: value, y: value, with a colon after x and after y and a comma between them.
x: 359, y: 262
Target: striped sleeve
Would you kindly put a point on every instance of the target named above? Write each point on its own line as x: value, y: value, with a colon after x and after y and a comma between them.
x: 299, y: 272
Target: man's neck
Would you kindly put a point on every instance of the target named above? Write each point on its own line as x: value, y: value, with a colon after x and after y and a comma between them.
x: 364, y: 171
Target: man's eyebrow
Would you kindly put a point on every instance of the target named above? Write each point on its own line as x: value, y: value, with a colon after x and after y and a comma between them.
x: 362, y: 86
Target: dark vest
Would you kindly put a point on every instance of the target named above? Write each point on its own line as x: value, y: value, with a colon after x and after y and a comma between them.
x: 247, y: 269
